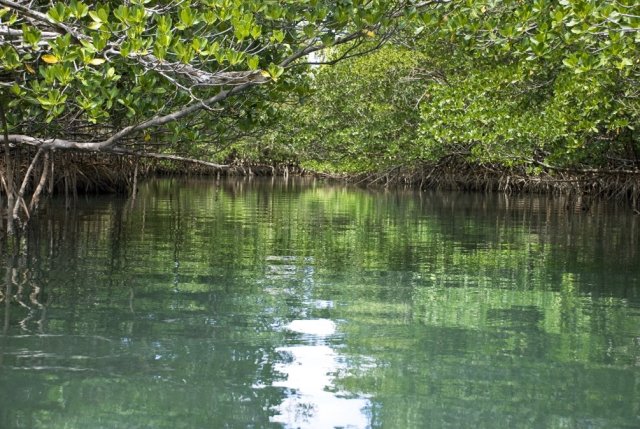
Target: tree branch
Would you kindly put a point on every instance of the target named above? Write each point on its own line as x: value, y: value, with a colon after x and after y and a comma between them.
x: 239, y: 81
x: 43, y: 18
x: 582, y: 170
x: 169, y: 158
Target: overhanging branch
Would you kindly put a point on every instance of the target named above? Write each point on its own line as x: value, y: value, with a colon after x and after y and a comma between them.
x: 238, y: 82
x: 168, y: 157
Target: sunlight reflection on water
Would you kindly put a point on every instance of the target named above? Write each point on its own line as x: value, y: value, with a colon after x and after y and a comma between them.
x: 309, y: 376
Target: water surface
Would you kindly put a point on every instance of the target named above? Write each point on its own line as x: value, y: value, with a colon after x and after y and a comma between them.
x: 272, y: 303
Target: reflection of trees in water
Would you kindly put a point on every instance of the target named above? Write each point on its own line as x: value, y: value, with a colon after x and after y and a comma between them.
x: 84, y: 297
x: 21, y: 288
x: 183, y: 292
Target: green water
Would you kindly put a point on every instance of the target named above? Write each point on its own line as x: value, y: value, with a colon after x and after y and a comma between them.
x: 256, y: 304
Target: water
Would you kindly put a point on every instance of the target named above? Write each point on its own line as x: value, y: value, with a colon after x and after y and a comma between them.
x: 240, y: 304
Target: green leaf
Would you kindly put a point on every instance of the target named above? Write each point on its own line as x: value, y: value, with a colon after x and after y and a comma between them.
x: 58, y: 13
x: 256, y: 31
x: 96, y: 18
x: 103, y: 13
x: 309, y: 30
x: 16, y: 90
x: 253, y: 62
x: 31, y: 35
x: 78, y: 9
x: 275, y: 71
x: 624, y: 62
x: 277, y: 36
x: 122, y: 13
x: 186, y: 17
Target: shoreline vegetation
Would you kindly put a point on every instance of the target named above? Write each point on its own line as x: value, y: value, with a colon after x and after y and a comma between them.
x: 72, y: 174
x: 507, y: 96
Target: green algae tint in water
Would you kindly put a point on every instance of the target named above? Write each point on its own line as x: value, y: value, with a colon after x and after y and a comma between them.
x: 296, y: 304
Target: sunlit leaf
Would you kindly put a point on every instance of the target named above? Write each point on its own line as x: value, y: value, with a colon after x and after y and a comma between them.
x: 49, y: 59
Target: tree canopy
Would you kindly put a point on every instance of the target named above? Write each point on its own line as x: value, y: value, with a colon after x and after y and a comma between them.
x: 545, y: 84
x: 507, y: 81
x: 97, y: 76
x: 543, y: 80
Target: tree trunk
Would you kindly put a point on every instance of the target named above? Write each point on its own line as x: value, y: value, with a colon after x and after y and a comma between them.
x: 134, y: 188
x: 35, y: 198
x: 7, y: 174
x: 25, y: 181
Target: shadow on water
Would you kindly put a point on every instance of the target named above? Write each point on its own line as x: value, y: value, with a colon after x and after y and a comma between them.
x: 273, y: 303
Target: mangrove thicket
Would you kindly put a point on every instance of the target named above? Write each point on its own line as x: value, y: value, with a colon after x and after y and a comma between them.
x: 490, y: 94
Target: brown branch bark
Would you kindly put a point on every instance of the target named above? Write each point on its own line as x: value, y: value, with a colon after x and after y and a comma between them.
x: 23, y: 186
x: 35, y: 198
x: 170, y: 158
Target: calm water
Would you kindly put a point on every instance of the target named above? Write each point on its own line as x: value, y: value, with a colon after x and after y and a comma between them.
x: 255, y: 304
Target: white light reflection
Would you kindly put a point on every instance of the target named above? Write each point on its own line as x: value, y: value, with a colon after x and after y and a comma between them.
x: 309, y: 376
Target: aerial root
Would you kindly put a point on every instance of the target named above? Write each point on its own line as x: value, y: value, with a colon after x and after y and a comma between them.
x: 580, y: 187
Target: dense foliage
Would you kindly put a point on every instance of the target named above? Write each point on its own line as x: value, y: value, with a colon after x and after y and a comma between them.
x: 545, y: 84
x: 362, y: 115
x: 134, y: 67
x: 543, y: 80
x: 507, y: 82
